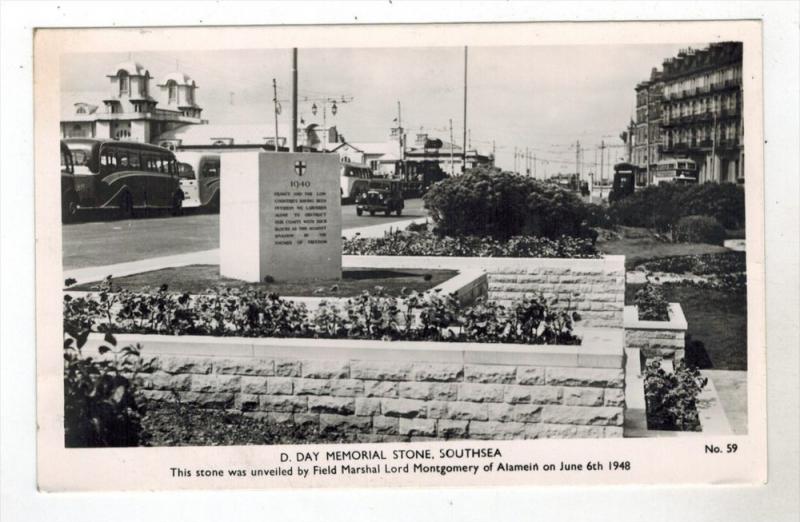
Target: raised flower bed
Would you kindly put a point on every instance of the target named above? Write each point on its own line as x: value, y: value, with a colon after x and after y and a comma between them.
x: 664, y: 339
x: 526, y: 379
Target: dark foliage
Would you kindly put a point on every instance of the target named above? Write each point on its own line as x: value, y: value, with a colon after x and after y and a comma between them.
x: 101, y: 408
x: 254, y: 313
x: 699, y: 229
x: 660, y: 207
x: 429, y: 244
x: 651, y: 303
x: 672, y: 397
x: 501, y: 205
x: 703, y: 264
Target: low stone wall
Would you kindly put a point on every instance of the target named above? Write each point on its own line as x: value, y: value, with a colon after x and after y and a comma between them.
x: 664, y: 339
x: 595, y: 288
x: 398, y: 390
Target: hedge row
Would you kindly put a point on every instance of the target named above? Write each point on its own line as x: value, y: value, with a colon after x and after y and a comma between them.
x: 425, y: 243
x: 248, y: 312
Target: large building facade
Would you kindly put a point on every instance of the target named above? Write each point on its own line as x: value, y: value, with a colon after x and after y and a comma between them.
x: 130, y: 111
x: 692, y: 109
x: 703, y: 110
x: 646, y: 151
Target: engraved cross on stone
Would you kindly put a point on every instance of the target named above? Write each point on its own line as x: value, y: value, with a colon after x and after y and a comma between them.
x: 299, y: 168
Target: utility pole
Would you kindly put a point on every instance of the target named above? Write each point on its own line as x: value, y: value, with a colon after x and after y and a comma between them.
x: 578, y: 159
x: 515, y: 160
x: 400, y: 135
x: 527, y: 162
x: 494, y: 154
x: 275, y: 104
x: 452, y: 165
x: 464, y: 151
x: 534, y: 166
x: 602, y: 171
x: 631, y: 128
x: 294, y: 99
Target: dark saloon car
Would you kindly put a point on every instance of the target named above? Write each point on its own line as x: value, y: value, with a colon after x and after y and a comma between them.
x: 382, y: 195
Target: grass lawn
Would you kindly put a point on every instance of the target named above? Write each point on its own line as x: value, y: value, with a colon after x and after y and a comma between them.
x: 638, y: 244
x: 196, y: 279
x: 718, y: 319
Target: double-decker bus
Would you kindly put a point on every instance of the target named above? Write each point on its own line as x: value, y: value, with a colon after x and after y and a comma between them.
x: 124, y: 176
x: 199, y: 173
x: 354, y: 180
x: 69, y: 198
x: 682, y: 171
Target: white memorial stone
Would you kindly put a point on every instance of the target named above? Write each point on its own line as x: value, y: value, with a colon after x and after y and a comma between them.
x: 280, y: 216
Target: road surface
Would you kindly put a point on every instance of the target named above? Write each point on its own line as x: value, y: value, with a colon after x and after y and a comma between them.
x: 108, y: 242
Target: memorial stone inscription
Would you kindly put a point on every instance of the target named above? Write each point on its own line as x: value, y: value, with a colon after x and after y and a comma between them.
x: 280, y: 216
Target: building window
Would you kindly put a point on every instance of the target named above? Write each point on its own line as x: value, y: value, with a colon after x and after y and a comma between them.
x: 124, y: 83
x: 122, y: 133
x: 172, y: 91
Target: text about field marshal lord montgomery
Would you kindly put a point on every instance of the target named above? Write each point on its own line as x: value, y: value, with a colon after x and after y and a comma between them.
x: 444, y: 461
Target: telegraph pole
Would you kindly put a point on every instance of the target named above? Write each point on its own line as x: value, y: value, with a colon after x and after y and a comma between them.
x: 515, y: 160
x: 275, y: 103
x: 452, y: 165
x: 578, y: 159
x: 602, y: 172
x: 400, y: 135
x: 294, y: 99
x: 534, y: 166
x: 464, y: 151
x: 527, y: 163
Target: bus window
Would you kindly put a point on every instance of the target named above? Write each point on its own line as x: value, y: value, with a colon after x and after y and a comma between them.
x: 134, y: 160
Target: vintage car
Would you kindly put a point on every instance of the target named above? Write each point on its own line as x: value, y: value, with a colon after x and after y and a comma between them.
x: 382, y: 195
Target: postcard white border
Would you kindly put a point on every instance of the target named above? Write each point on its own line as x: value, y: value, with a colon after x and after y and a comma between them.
x: 559, y: 496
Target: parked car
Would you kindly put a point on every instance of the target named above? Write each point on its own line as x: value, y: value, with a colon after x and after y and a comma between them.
x: 382, y: 195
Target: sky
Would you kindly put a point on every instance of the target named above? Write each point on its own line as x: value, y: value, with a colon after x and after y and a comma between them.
x: 544, y: 98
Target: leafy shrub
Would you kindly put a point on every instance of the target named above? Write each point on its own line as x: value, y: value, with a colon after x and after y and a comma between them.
x: 101, y: 408
x: 501, y: 205
x: 653, y: 207
x: 660, y: 207
x: 598, y: 216
x: 253, y: 313
x: 429, y: 244
x: 702, y: 264
x: 732, y: 283
x: 651, y: 303
x: 699, y: 229
x: 671, y: 398
x: 722, y: 201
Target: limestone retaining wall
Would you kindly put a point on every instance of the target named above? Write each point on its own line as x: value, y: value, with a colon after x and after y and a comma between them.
x: 595, y: 288
x: 398, y: 390
x: 664, y: 339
